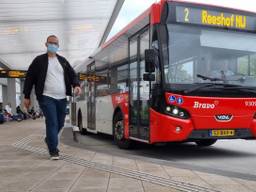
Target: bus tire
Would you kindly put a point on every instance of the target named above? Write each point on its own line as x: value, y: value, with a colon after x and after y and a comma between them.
x: 206, y: 142
x: 80, y: 125
x: 118, y: 130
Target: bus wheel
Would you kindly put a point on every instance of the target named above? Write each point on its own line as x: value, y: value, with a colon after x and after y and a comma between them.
x: 206, y: 143
x: 80, y: 125
x: 118, y: 129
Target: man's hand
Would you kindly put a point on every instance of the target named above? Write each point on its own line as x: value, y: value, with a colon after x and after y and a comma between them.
x: 27, y: 103
x: 77, y: 91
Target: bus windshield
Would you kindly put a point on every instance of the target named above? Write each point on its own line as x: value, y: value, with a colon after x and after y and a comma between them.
x: 206, y: 55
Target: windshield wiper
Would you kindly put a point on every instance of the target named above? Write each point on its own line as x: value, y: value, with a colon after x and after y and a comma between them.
x: 209, y: 78
x: 242, y: 79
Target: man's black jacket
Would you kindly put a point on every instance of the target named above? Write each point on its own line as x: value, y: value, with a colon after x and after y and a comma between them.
x: 37, y: 71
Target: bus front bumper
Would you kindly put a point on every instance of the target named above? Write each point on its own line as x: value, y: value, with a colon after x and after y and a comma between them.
x: 165, y: 128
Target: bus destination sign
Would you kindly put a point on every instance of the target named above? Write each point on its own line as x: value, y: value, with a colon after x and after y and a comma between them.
x: 215, y: 18
x: 91, y: 77
x: 12, y: 74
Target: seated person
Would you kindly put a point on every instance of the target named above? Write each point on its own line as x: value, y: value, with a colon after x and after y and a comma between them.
x: 8, y: 109
x: 223, y: 71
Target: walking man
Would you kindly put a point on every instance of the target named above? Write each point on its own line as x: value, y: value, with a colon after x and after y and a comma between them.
x: 53, y: 78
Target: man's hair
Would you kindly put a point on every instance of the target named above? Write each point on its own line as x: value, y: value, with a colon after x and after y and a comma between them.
x: 50, y: 37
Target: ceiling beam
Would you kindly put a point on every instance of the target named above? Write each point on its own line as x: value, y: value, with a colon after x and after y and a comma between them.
x: 3, y: 65
x: 112, y: 20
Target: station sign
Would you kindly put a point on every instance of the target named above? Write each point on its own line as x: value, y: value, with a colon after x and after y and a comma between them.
x: 12, y: 74
x: 22, y: 74
x: 91, y: 77
x: 208, y: 17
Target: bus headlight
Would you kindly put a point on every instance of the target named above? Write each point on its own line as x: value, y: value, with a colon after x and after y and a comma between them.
x: 177, y: 112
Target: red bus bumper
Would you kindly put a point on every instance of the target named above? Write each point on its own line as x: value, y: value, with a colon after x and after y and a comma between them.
x: 165, y: 128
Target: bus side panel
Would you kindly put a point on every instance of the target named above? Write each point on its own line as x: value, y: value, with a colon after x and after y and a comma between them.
x: 163, y: 128
x: 104, y: 114
x: 121, y: 100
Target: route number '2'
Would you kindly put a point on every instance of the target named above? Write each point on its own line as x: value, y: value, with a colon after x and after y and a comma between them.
x: 186, y: 12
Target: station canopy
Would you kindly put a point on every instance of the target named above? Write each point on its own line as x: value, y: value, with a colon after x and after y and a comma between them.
x: 81, y: 26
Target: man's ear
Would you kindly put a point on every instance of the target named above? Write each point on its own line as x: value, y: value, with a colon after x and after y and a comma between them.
x: 46, y: 44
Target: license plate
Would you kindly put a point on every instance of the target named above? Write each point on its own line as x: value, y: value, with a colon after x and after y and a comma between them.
x: 222, y: 133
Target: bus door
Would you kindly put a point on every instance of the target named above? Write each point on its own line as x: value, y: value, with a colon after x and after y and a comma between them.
x: 139, y: 89
x: 91, y: 99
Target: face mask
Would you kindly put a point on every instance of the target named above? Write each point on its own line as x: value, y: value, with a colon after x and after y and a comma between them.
x: 52, y: 48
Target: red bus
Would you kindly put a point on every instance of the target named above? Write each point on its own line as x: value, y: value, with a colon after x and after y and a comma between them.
x: 180, y: 72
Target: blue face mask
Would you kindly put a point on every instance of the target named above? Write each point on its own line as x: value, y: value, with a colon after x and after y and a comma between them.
x: 52, y: 48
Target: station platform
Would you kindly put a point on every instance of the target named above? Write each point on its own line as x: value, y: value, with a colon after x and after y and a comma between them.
x: 25, y: 167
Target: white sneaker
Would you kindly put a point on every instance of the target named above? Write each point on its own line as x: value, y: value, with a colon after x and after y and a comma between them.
x: 55, y: 156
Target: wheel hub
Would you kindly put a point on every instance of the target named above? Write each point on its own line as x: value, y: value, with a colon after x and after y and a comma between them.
x: 119, y: 131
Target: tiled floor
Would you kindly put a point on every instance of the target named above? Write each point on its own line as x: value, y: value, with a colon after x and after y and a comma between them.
x: 25, y: 171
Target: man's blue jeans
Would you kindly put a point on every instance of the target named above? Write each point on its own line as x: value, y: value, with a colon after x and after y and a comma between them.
x: 54, y: 111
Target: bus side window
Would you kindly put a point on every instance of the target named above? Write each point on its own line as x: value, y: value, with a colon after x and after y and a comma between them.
x: 114, y: 88
x: 122, y: 77
x: 103, y: 85
x: 144, y: 44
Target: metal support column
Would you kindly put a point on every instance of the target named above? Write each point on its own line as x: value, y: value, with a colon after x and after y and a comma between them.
x: 11, y: 94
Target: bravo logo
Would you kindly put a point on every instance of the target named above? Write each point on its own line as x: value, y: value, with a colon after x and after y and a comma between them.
x: 198, y: 105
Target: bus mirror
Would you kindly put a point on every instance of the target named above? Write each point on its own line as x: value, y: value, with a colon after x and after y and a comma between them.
x: 149, y: 77
x: 150, y: 60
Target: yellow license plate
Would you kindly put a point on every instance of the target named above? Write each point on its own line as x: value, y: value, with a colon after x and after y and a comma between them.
x: 222, y: 133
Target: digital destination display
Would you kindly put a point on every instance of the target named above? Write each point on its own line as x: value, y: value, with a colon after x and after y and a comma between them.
x: 12, y: 74
x: 91, y: 77
x: 203, y: 16
x: 22, y: 74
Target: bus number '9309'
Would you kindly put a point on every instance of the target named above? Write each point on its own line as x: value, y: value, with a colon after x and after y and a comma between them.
x: 250, y: 103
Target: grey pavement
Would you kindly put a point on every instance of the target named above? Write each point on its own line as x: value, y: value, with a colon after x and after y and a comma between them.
x: 25, y: 166
x: 230, y: 158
